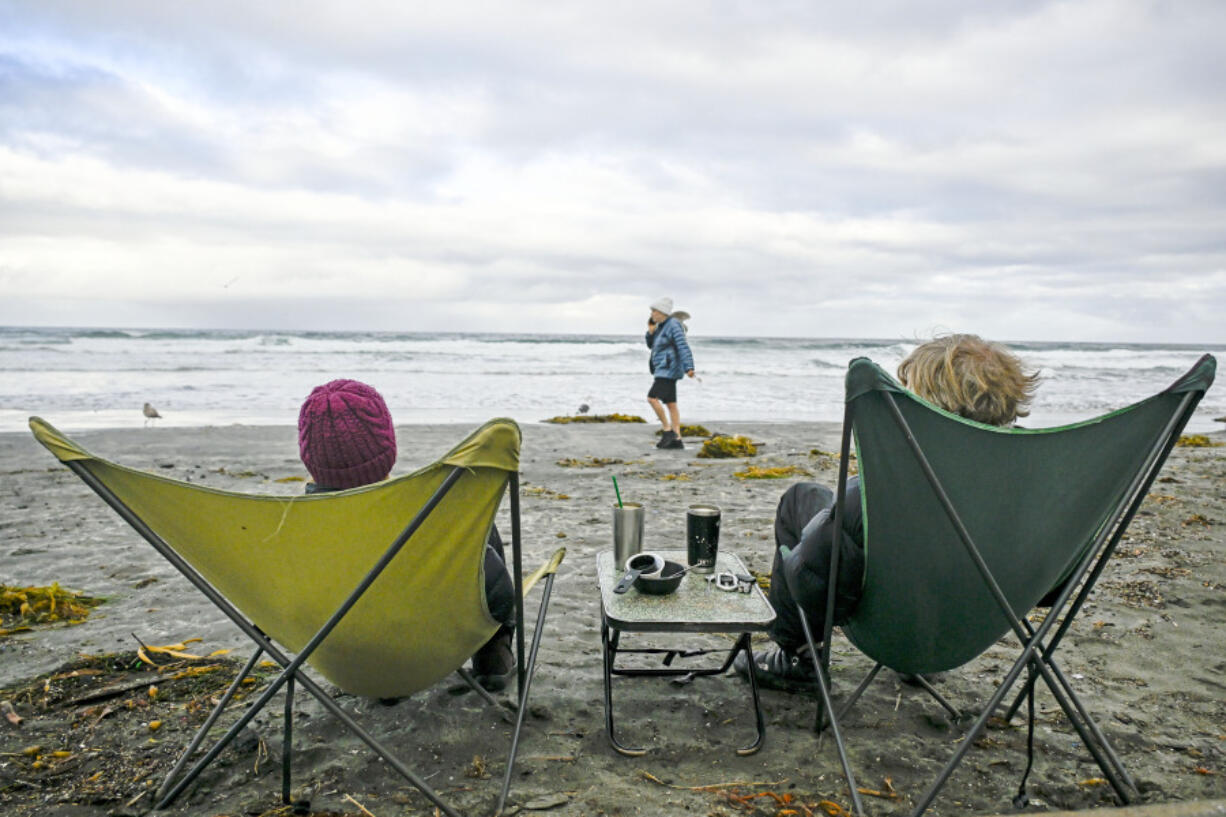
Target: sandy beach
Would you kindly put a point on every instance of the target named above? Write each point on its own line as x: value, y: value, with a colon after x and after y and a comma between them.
x: 1147, y: 654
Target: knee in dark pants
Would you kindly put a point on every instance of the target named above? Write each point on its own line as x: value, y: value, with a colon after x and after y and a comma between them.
x: 799, y: 504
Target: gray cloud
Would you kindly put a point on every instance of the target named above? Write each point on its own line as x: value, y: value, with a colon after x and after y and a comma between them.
x: 1043, y: 170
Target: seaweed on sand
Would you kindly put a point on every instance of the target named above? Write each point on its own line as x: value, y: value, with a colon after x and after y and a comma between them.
x: 725, y: 447
x: 692, y: 431
x: 22, y: 606
x: 777, y: 472
x: 589, y: 462
x: 564, y: 419
x: 1197, y: 441
x: 88, y: 727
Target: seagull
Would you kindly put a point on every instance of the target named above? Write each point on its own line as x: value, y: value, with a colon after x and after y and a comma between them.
x: 150, y: 414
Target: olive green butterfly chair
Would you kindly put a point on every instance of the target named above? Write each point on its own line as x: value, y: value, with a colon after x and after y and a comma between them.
x: 379, y: 588
x: 968, y: 527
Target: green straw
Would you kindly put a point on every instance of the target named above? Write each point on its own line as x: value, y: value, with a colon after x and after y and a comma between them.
x: 618, y: 492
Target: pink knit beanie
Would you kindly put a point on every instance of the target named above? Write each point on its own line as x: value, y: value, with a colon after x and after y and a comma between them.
x: 345, y: 435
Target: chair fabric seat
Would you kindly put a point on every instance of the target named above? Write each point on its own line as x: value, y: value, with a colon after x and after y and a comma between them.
x: 967, y: 527
x: 1032, y: 500
x: 287, y: 562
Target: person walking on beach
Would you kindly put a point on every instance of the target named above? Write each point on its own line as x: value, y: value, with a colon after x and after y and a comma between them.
x: 962, y: 374
x: 670, y: 360
x: 346, y: 439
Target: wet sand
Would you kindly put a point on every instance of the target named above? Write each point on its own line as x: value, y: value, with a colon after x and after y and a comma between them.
x: 1147, y: 655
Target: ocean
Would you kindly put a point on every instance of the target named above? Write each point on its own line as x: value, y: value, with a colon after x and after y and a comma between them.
x: 100, y: 378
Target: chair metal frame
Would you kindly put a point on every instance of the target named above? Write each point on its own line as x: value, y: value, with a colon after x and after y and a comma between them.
x: 1037, y: 648
x: 292, y: 674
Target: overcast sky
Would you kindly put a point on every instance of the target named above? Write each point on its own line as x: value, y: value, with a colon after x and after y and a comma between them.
x: 1027, y: 170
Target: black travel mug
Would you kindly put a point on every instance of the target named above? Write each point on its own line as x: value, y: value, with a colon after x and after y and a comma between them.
x: 702, y: 537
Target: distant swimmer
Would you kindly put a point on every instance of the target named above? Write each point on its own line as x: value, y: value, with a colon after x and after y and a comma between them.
x: 150, y: 414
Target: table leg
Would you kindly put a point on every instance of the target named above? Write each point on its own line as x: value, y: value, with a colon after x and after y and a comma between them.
x: 609, y: 651
x: 744, y: 644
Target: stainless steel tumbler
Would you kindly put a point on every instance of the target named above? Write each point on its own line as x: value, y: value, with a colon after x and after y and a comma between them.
x: 627, y: 532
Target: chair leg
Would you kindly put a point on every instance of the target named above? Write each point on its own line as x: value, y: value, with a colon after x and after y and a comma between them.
x: 824, y: 705
x: 208, y: 723
x: 859, y: 690
x: 291, y: 667
x: 923, y: 682
x: 1088, y: 731
x: 1093, y: 726
x: 1018, y: 701
x: 1030, y: 652
x: 931, y: 690
x: 967, y: 741
x: 467, y: 677
x: 287, y: 742
x: 523, y: 694
x: 1099, y: 737
x: 329, y: 704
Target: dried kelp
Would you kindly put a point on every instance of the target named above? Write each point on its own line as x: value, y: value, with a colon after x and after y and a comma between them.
x: 777, y: 472
x: 692, y: 431
x: 81, y: 725
x: 542, y: 492
x: 589, y: 462
x: 725, y: 447
x: 595, y: 418
x: 21, y: 607
x: 1197, y: 441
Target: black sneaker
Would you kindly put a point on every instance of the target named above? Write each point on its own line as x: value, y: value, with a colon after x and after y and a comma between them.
x: 494, y: 663
x: 780, y: 669
x: 675, y: 442
x: 665, y: 439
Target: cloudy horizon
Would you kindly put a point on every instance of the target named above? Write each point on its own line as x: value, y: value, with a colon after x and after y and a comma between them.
x: 1025, y: 170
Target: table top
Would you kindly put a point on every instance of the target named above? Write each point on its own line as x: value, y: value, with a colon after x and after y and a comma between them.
x: 696, y: 606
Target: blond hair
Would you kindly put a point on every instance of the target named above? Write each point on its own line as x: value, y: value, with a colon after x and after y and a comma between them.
x: 971, y: 377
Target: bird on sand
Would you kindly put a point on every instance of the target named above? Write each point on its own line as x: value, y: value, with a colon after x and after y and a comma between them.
x: 150, y: 414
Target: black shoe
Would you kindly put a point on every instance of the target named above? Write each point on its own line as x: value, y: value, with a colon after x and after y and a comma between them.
x: 780, y: 669
x: 494, y: 663
x: 675, y: 442
x: 665, y: 438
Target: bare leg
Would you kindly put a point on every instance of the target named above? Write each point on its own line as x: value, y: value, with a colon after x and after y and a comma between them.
x: 675, y: 414
x: 658, y: 408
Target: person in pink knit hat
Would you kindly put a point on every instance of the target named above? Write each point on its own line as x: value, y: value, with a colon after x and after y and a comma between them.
x: 346, y: 440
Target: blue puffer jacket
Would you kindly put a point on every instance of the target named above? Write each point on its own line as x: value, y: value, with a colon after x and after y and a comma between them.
x: 670, y: 352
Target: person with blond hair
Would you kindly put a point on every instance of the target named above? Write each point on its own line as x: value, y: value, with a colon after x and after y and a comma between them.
x: 971, y: 377
x: 962, y: 374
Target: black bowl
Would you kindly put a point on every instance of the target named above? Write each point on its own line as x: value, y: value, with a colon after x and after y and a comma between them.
x: 667, y: 582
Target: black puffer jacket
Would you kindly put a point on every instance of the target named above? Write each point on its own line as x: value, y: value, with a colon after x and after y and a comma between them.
x: 807, y: 568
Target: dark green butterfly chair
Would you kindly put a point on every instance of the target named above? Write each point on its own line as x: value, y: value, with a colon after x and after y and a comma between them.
x: 968, y: 527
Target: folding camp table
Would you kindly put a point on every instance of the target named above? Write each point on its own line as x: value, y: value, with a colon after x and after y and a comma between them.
x: 697, y: 606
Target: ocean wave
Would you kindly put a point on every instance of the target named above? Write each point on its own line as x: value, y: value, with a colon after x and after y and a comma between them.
x: 30, y: 347
x: 827, y: 364
x: 233, y: 373
x: 44, y: 342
